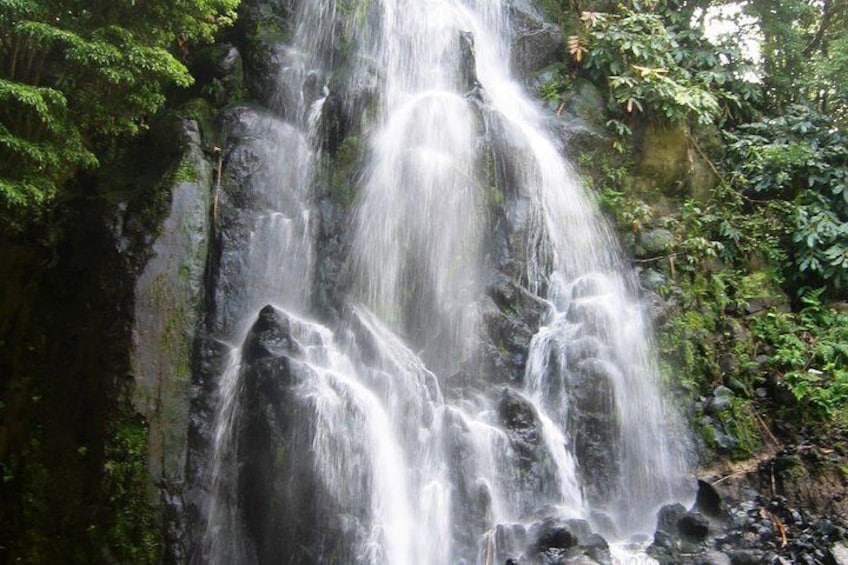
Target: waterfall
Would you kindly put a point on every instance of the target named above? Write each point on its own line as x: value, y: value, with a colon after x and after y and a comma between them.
x: 383, y: 425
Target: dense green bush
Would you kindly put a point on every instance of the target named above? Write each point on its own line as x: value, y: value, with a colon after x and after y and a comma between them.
x: 800, y: 158
x: 659, y: 70
x: 76, y: 75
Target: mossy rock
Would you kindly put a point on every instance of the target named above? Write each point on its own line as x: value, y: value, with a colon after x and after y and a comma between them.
x: 662, y: 155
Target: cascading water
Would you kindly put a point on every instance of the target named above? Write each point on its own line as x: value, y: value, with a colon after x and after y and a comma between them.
x: 387, y: 433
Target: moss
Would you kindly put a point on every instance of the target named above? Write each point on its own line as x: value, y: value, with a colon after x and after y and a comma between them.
x: 132, y: 534
x: 342, y: 175
x: 732, y: 431
x: 202, y: 112
x: 186, y: 171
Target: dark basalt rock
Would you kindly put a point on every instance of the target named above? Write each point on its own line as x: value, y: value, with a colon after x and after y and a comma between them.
x: 552, y: 535
x: 745, y: 533
x: 274, y: 451
x: 668, y: 516
x: 514, y: 317
x: 473, y: 499
x: 468, y: 70
x: 567, y: 542
x: 708, y: 501
x: 534, y: 471
x: 594, y: 426
x: 693, y: 527
x: 270, y: 336
x: 535, y: 43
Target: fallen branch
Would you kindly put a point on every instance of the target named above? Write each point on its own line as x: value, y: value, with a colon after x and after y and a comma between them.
x: 778, y: 525
x: 706, y: 159
x: 762, y: 424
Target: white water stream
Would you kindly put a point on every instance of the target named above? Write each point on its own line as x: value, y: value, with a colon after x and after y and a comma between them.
x: 421, y: 468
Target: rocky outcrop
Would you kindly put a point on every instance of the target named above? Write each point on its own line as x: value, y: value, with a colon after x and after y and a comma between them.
x: 534, y: 472
x: 514, y: 317
x: 168, y: 299
x: 535, y: 42
x: 761, y: 530
x: 274, y: 449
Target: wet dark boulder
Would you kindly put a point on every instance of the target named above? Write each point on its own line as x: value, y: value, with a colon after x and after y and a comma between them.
x: 534, y: 470
x: 693, y: 527
x: 274, y: 451
x: 708, y: 501
x: 535, y: 42
x: 552, y: 536
x: 668, y: 516
x: 514, y: 317
x: 679, y: 533
x: 758, y: 530
x: 594, y: 425
x: 270, y: 336
x: 554, y: 540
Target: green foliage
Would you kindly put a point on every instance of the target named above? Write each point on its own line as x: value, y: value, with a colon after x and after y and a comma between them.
x: 641, y: 58
x: 801, y: 159
x: 556, y: 86
x: 798, y: 41
x: 74, y: 76
x: 835, y: 66
x: 133, y: 535
x: 809, y: 353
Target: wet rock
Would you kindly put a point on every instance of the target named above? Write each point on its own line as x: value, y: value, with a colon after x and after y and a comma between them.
x: 533, y: 469
x: 468, y: 69
x: 588, y: 103
x: 721, y: 400
x: 167, y: 298
x: 652, y: 279
x: 708, y: 501
x: 273, y: 459
x: 693, y: 527
x: 472, y: 497
x: 594, y: 425
x: 567, y: 541
x: 716, y: 558
x: 654, y: 242
x: 762, y: 303
x: 552, y: 535
x: 668, y: 516
x: 270, y: 336
x: 535, y: 42
x: 747, y: 557
x: 510, y: 543
x: 511, y: 322
x: 583, y: 349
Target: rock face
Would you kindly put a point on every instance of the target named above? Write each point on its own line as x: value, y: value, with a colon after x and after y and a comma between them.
x: 534, y: 470
x: 535, y: 42
x: 510, y: 325
x: 274, y: 450
x: 168, y: 298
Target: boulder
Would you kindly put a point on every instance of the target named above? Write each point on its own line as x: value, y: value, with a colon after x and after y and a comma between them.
x: 535, y: 43
x: 533, y: 469
x: 554, y: 540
